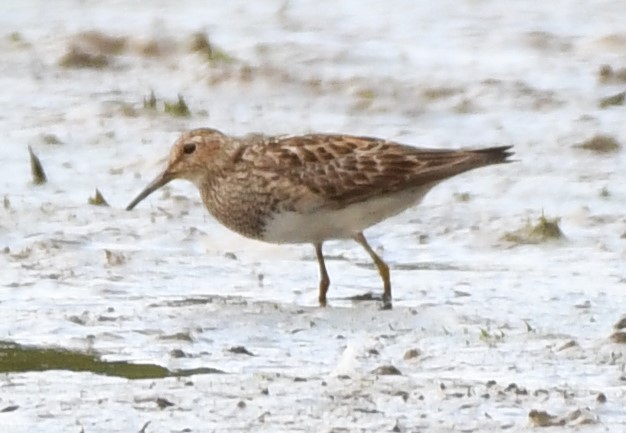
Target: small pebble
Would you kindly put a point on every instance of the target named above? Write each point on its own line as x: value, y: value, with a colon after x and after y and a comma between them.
x: 412, y: 353
x: 240, y: 350
x: 387, y: 370
x: 163, y: 403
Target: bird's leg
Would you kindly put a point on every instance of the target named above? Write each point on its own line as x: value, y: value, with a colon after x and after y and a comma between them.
x: 324, y: 280
x: 382, y: 267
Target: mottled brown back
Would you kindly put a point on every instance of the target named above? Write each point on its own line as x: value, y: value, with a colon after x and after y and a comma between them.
x: 347, y: 169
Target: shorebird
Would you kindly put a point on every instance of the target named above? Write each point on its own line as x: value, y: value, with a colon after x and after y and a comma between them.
x: 312, y: 188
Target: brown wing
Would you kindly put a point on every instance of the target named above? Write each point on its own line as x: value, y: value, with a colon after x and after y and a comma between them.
x: 345, y: 169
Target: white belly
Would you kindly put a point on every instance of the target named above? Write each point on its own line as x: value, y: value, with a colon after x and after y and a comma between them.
x: 324, y: 224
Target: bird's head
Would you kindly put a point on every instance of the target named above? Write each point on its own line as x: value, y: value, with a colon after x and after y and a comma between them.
x: 191, y: 158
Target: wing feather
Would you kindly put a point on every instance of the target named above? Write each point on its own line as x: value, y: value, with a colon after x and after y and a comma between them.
x: 341, y: 170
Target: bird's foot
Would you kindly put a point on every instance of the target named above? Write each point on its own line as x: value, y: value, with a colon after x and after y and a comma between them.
x: 386, y: 303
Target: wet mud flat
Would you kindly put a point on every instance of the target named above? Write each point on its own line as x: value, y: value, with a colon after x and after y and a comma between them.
x: 339, y: 369
x: 507, y: 281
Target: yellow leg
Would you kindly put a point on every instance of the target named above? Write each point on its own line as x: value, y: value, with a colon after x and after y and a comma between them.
x: 324, y: 280
x: 382, y: 267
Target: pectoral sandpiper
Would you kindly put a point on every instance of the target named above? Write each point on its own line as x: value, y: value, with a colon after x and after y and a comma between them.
x: 312, y: 188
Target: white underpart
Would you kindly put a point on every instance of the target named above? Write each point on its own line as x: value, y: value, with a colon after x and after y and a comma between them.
x: 324, y: 224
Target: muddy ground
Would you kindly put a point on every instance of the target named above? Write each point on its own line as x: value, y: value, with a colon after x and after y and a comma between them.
x: 509, y: 281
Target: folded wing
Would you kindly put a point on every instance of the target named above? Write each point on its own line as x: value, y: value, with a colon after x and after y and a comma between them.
x: 342, y: 170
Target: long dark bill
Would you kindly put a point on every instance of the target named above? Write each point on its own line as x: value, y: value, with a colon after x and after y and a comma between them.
x: 157, y: 183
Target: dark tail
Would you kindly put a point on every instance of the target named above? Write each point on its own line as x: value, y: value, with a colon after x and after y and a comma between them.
x: 448, y: 163
x: 494, y: 155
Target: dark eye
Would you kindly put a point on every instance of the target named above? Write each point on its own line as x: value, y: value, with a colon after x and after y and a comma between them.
x: 189, y: 148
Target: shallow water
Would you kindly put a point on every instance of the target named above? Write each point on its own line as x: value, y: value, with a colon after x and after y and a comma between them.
x: 478, y: 309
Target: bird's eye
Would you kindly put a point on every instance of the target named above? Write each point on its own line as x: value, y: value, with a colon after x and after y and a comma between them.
x: 189, y: 148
